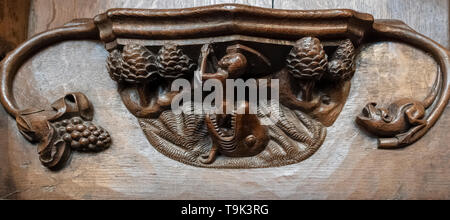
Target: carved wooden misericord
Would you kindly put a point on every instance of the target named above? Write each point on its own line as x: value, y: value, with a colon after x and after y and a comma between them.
x: 310, y: 53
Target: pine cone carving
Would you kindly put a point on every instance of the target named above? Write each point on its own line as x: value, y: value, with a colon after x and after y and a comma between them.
x: 136, y: 64
x: 342, y: 65
x: 114, y: 65
x: 307, y: 60
x: 173, y: 63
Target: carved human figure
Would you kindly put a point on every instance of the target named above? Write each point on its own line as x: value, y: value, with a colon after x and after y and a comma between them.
x: 236, y: 134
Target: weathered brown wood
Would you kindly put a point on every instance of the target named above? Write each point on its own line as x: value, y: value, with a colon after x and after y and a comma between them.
x: 13, y: 24
x: 351, y: 168
x: 136, y: 67
x: 343, y: 168
x: 427, y: 17
x: 14, y: 20
x: 13, y: 30
x: 53, y: 13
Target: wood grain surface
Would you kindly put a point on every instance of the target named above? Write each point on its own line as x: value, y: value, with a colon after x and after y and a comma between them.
x: 13, y: 24
x: 347, y: 166
x: 47, y: 14
x: 14, y: 16
x: 14, y: 20
x: 427, y: 17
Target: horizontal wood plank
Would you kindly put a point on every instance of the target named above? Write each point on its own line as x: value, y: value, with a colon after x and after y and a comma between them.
x: 430, y: 17
x: 47, y: 14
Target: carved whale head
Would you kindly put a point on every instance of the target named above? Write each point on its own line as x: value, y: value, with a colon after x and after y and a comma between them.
x: 388, y: 122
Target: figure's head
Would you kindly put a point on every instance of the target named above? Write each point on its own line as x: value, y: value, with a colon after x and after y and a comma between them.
x: 388, y: 122
x: 234, y: 63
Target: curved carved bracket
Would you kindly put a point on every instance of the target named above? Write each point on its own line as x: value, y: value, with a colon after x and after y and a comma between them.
x: 310, y: 53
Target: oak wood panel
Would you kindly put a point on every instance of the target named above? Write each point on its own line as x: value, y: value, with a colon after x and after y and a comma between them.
x: 13, y: 24
x: 5, y: 173
x: 430, y: 18
x: 14, y: 20
x: 13, y: 30
x: 53, y: 13
x: 343, y: 168
x: 427, y: 17
x: 347, y: 166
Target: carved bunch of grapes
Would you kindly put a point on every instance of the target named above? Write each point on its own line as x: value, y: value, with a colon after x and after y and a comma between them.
x: 83, y: 136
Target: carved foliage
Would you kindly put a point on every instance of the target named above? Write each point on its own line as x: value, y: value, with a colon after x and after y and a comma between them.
x: 313, y: 87
x: 173, y: 63
x: 307, y: 60
x: 63, y: 128
x: 83, y: 136
x: 235, y: 140
x: 145, y: 79
x: 307, y: 67
x: 342, y: 66
x: 136, y: 64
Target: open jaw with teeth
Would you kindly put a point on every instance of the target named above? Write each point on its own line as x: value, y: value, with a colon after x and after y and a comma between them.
x: 236, y: 135
x: 371, y: 112
x: 225, y: 130
x: 383, y: 122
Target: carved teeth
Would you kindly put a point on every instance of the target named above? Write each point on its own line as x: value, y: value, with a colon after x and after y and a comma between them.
x: 233, y: 120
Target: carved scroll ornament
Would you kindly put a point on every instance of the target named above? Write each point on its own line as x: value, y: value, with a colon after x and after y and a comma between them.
x: 310, y: 54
